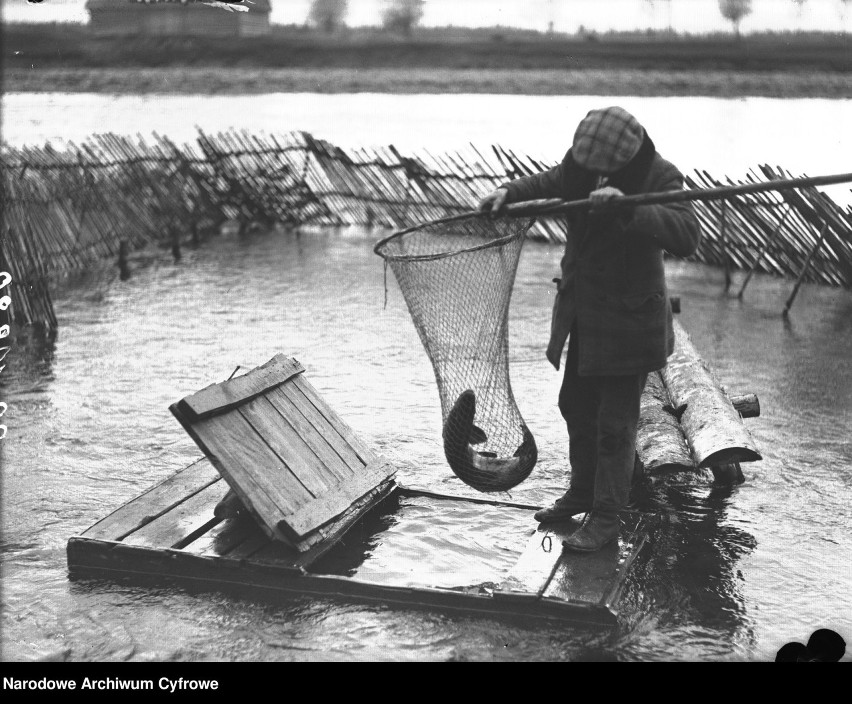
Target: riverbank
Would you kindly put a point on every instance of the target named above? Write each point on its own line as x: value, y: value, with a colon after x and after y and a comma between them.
x: 257, y: 80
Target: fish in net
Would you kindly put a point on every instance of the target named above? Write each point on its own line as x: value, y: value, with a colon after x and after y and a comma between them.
x: 456, y: 276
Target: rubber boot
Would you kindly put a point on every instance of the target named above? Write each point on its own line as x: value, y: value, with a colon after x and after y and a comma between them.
x: 563, y: 508
x: 598, y: 529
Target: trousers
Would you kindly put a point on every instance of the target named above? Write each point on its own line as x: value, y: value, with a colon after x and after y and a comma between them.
x: 601, y: 413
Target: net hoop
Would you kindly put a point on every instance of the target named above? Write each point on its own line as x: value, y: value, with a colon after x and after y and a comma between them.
x: 380, y: 247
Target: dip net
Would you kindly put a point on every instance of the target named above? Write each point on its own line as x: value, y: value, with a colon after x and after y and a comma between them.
x: 456, y: 276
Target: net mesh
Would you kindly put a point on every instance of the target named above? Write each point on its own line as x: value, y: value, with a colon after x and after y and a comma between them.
x: 456, y: 277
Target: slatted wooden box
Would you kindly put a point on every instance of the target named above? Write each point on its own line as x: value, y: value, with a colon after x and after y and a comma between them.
x: 291, y: 460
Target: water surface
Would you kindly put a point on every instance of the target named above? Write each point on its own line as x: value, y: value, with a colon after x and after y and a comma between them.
x: 734, y: 574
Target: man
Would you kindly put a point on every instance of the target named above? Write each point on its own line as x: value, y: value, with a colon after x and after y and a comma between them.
x: 611, y: 305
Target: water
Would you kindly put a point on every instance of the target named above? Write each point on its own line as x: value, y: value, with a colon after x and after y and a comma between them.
x: 734, y: 575
x: 723, y: 136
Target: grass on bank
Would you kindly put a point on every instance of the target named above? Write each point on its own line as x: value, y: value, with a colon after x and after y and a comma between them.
x: 242, y: 80
x: 39, y: 46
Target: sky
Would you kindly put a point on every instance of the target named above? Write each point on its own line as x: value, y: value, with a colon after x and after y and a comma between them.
x: 693, y: 16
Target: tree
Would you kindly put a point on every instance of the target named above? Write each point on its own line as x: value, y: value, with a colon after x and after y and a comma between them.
x: 328, y: 14
x: 734, y: 11
x: 402, y: 15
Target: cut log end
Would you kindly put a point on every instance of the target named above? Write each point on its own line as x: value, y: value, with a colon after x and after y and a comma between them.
x: 730, y: 455
x: 747, y: 405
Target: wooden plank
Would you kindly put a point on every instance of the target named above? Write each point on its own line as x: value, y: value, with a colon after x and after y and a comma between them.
x: 323, y: 539
x: 218, y: 398
x: 321, y: 418
x: 324, y: 508
x: 182, y: 523
x: 155, y: 501
x: 309, y: 432
x: 589, y: 577
x: 263, y: 481
x: 139, y: 562
x: 249, y: 547
x: 265, y: 504
x: 290, y: 449
x: 224, y: 537
x: 645, y: 524
x: 532, y: 572
x: 413, y: 491
x: 365, y: 454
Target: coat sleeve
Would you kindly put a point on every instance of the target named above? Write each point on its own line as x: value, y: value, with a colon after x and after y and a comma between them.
x: 673, y: 225
x: 547, y: 184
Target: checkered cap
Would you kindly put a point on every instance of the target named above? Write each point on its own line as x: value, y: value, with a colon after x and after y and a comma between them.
x: 606, y: 140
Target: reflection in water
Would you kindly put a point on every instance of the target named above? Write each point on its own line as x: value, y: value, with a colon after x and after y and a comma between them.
x: 689, y: 581
x: 29, y: 363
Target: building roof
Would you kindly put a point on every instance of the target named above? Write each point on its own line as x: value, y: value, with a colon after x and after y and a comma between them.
x: 253, y: 5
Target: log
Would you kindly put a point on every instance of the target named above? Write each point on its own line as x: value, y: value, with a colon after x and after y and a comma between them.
x: 747, y: 405
x: 660, y: 442
x: 713, y: 428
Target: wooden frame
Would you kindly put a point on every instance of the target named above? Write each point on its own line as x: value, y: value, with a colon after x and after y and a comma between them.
x: 170, y: 533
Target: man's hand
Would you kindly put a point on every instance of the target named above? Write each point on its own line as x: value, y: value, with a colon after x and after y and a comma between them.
x: 494, y: 201
x: 601, y: 196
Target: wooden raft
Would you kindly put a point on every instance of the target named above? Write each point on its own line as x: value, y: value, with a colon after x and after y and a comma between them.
x: 170, y: 533
x: 293, y: 463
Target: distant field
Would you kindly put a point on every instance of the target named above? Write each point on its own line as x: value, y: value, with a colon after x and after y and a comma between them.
x: 71, y: 58
x: 431, y: 80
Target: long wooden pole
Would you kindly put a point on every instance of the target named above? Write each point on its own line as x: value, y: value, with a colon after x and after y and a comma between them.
x: 556, y: 206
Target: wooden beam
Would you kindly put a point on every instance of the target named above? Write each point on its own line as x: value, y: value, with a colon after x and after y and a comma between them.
x: 221, y: 397
x: 532, y: 572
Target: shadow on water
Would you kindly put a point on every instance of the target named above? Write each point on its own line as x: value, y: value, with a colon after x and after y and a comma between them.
x: 361, y: 540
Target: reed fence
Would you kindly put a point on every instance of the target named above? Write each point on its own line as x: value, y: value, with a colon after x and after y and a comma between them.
x: 71, y: 208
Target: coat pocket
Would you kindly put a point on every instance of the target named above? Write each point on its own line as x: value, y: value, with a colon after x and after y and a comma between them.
x: 643, y: 301
x: 562, y: 318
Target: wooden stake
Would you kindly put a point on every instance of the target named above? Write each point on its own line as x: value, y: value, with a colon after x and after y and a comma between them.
x: 723, y: 243
x: 805, y: 269
x: 770, y: 238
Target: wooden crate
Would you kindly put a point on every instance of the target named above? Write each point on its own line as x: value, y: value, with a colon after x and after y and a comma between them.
x: 291, y: 460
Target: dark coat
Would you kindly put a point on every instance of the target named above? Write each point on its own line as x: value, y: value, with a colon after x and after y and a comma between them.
x: 613, y: 285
